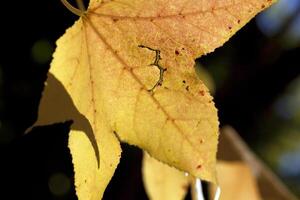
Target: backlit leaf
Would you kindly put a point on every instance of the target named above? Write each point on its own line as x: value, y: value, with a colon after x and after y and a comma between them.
x: 104, y: 64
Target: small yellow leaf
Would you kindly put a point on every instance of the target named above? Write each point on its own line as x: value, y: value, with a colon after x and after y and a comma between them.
x: 163, y: 182
x: 90, y: 178
x: 236, y: 181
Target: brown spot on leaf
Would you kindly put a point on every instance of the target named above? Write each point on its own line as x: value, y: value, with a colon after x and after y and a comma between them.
x: 182, y: 16
x: 201, y: 92
x: 263, y: 6
x: 239, y: 21
x: 199, y: 167
x: 183, y: 81
x: 115, y: 20
x: 176, y: 52
x: 229, y: 27
x: 187, y: 88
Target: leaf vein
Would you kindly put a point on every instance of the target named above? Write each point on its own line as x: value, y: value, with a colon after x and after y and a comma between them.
x: 135, y: 77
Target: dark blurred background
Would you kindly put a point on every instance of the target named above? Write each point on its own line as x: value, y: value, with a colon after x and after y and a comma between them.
x: 255, y: 78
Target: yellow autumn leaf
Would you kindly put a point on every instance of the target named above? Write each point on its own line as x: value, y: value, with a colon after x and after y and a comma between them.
x: 163, y: 182
x: 127, y: 66
x: 236, y: 181
x: 91, y: 180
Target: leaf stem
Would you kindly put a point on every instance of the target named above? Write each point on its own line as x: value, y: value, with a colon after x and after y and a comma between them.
x: 71, y: 8
x: 80, y: 5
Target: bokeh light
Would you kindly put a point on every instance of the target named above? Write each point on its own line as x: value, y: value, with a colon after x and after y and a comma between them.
x: 292, y: 36
x: 282, y: 149
x: 283, y: 20
x: 59, y: 184
x: 41, y: 51
x: 271, y: 21
x: 289, y: 164
x: 7, y: 133
x: 288, y: 105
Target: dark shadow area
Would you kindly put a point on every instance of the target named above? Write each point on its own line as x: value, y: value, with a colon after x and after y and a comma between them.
x: 127, y: 183
x: 56, y: 105
x: 33, y: 164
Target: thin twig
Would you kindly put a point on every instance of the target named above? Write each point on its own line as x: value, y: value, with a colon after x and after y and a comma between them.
x: 156, y: 63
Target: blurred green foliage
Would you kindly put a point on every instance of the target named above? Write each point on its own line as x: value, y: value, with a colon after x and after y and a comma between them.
x: 42, y: 51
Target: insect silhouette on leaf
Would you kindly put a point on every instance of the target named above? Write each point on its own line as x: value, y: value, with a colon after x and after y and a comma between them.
x: 156, y: 63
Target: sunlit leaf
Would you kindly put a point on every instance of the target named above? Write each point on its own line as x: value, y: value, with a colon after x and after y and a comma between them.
x: 127, y: 67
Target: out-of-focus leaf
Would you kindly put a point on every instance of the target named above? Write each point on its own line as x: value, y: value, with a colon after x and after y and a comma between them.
x: 236, y: 181
x: 163, y: 182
